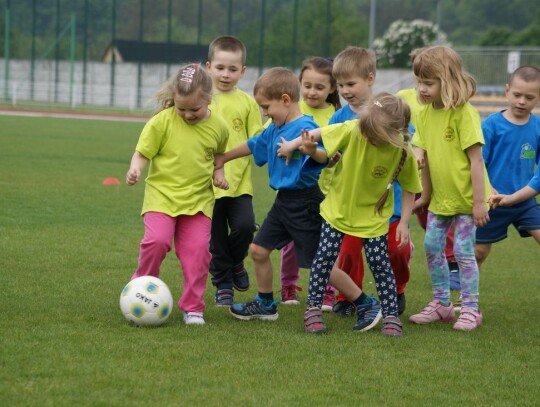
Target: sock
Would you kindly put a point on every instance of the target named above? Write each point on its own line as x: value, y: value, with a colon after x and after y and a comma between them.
x: 362, y: 299
x: 267, y: 299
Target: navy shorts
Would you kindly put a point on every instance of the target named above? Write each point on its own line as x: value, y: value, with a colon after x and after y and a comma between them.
x: 294, y: 216
x: 524, y: 216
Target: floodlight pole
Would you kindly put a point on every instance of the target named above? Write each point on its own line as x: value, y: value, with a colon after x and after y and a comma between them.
x: 6, y: 50
x: 372, y: 13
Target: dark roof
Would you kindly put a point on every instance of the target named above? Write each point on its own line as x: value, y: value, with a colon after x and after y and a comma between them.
x: 162, y: 52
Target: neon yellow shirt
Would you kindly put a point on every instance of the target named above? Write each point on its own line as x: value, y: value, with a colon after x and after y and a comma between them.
x: 409, y: 96
x: 243, y: 118
x: 361, y: 178
x: 181, y: 158
x: 445, y: 135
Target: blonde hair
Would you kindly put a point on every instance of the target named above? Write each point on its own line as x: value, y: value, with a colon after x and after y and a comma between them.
x: 186, y: 81
x: 354, y: 61
x: 277, y: 82
x: 226, y: 43
x: 385, y: 120
x: 443, y: 63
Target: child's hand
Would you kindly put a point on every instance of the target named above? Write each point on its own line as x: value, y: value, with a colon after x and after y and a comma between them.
x: 480, y: 214
x: 500, y: 200
x: 219, y: 179
x: 132, y: 176
x: 420, y: 157
x: 402, y: 234
x: 309, y: 145
x: 334, y: 160
x: 286, y: 150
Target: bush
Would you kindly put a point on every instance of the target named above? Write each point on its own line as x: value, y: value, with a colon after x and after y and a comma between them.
x: 395, y: 46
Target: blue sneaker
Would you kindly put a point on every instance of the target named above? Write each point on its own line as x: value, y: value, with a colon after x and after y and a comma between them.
x: 369, y: 315
x: 454, y: 276
x: 255, y: 310
x: 240, y: 278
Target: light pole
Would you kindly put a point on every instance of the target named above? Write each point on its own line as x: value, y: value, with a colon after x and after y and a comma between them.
x: 372, y: 13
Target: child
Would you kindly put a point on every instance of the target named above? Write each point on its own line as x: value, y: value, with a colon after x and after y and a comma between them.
x: 511, y: 153
x: 525, y: 193
x: 180, y: 141
x: 354, y: 70
x: 294, y: 216
x: 233, y: 219
x: 320, y: 99
x: 360, y: 203
x: 448, y: 130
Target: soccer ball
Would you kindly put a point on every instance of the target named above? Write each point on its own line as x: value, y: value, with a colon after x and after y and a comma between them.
x: 146, y: 301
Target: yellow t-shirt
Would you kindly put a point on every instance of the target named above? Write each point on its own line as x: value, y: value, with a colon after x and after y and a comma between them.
x: 179, y: 179
x: 445, y: 134
x: 409, y: 96
x: 243, y: 118
x: 361, y: 178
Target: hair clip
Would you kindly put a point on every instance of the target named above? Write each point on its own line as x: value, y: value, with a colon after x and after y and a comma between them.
x: 389, y: 186
x: 377, y: 103
x: 187, y: 74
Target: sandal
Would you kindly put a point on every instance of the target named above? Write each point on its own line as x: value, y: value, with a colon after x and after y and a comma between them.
x: 313, y: 322
x: 391, y: 326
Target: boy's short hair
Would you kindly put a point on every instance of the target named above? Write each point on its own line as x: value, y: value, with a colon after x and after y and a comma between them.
x: 227, y: 43
x: 526, y: 73
x: 354, y: 61
x: 277, y: 82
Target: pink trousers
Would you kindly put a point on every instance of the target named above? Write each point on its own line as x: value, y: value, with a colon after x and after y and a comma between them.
x: 191, y: 237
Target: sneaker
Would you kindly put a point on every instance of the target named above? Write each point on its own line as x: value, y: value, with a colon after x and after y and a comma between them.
x: 288, y: 295
x: 240, y: 278
x: 344, y: 309
x: 313, y: 322
x: 468, y: 320
x: 401, y: 302
x: 434, y: 312
x: 391, y: 326
x: 457, y: 304
x: 369, y: 315
x: 224, y: 297
x: 193, y: 318
x: 328, y: 300
x: 454, y: 276
x: 255, y: 310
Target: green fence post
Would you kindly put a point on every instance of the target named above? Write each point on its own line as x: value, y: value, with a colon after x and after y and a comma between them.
x: 6, y: 50
x: 72, y: 62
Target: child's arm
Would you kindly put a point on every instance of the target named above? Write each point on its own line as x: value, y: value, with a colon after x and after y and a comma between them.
x: 287, y: 148
x: 508, y: 200
x: 402, y: 230
x: 479, y: 212
x: 239, y: 151
x: 425, y: 196
x: 138, y: 163
x: 420, y: 157
x: 219, y: 179
x: 309, y: 147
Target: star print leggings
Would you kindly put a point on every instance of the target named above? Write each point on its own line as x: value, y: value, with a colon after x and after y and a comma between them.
x: 376, y: 250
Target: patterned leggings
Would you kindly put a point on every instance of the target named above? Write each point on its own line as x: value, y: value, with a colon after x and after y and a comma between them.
x: 376, y: 250
x: 464, y: 237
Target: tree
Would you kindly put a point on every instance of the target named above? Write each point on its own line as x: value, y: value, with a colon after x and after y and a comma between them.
x: 395, y: 46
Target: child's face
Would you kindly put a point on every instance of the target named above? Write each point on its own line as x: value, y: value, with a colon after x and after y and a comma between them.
x: 522, y: 97
x: 226, y: 70
x: 193, y: 108
x: 315, y: 88
x: 429, y: 91
x: 276, y: 110
x: 355, y: 89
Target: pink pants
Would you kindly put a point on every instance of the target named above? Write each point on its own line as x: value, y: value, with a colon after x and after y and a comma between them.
x: 191, y: 236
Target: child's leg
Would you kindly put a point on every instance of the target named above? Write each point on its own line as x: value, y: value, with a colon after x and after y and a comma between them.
x: 399, y: 259
x: 221, y: 263
x: 351, y: 261
x: 191, y: 241
x: 377, y: 258
x: 465, y: 232
x: 242, y: 225
x: 434, y: 241
x: 290, y: 272
x: 157, y: 241
x: 263, y: 268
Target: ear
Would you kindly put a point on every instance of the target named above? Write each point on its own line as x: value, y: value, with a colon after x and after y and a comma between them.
x: 208, y: 65
x: 243, y: 70
x: 286, y: 99
x: 506, y: 89
x: 370, y: 79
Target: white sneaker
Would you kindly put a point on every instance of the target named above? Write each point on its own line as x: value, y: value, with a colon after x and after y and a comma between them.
x: 193, y: 318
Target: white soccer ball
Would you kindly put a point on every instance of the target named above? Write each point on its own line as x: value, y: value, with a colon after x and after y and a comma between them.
x: 146, y: 301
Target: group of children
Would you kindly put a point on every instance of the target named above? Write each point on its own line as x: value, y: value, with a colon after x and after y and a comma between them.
x: 347, y: 178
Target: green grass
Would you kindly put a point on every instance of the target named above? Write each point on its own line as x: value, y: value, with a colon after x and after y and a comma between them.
x: 68, y: 245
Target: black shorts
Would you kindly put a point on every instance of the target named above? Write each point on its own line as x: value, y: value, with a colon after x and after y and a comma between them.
x: 294, y: 216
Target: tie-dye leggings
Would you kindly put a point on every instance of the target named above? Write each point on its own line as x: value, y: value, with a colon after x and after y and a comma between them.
x: 464, y: 237
x: 377, y: 258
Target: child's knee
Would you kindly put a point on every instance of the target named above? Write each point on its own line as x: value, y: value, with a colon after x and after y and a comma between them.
x: 481, y: 252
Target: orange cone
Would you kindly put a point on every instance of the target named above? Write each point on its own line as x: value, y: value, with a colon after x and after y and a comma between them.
x: 111, y: 181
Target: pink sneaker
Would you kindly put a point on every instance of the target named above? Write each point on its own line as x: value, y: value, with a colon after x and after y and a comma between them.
x: 468, y: 320
x: 288, y: 295
x: 434, y: 312
x: 328, y: 301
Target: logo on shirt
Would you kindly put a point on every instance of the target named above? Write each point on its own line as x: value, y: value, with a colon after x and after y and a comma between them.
x: 379, y: 172
x: 449, y: 134
x: 527, y: 152
x: 209, y: 153
x: 237, y: 124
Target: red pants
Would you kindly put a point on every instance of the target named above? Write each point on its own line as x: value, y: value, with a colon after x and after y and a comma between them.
x: 351, y: 260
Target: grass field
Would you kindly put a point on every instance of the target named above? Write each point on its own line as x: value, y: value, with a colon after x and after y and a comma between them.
x: 68, y: 245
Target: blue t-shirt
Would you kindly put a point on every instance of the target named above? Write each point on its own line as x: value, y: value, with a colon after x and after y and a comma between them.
x: 302, y: 171
x: 511, y: 153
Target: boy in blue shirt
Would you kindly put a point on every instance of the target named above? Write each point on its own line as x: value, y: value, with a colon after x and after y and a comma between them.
x: 294, y: 216
x: 511, y: 153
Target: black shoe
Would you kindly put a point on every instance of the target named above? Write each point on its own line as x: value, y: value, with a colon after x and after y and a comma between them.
x: 224, y: 297
x: 344, y: 309
x: 240, y: 278
x: 401, y: 303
